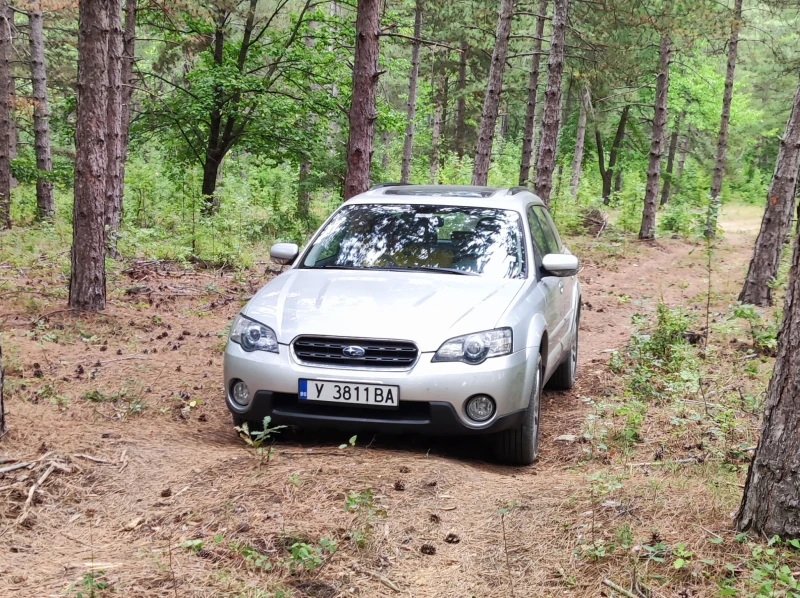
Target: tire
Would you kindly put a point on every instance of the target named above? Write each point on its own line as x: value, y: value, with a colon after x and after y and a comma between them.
x: 520, y: 445
x: 565, y: 375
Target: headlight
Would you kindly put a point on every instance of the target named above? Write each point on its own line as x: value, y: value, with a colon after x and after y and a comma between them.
x: 476, y: 348
x: 253, y: 336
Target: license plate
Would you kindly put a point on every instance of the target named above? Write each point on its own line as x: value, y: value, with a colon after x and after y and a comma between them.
x: 350, y: 393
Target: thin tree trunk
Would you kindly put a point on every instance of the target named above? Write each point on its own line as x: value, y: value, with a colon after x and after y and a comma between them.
x: 303, y: 193
x: 722, y: 142
x: 491, y: 102
x: 87, y: 285
x: 648, y: 229
x: 41, y: 112
x: 114, y: 126
x: 551, y: 119
x: 5, y: 118
x: 362, y: 107
x: 769, y: 504
x: 435, y: 134
x: 577, y: 159
x: 214, y: 155
x: 127, y: 80
x: 386, y: 141
x: 673, y: 148
x: 682, y: 152
x: 533, y: 90
x: 777, y: 217
x: 607, y: 174
x: 618, y: 180
x: 461, y: 101
x: 411, y: 105
x: 13, y: 131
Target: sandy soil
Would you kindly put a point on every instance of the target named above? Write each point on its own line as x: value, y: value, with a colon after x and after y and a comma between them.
x: 169, y: 467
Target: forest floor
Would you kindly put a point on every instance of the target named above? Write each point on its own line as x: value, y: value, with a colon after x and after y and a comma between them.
x: 150, y: 491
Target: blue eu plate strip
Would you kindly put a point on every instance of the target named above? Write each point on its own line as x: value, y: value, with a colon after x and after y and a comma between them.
x: 303, y: 390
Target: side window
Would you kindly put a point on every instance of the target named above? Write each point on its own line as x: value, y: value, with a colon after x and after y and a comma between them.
x: 537, y: 232
x: 553, y: 241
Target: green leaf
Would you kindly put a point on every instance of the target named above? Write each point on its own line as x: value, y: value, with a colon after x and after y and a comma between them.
x: 679, y: 564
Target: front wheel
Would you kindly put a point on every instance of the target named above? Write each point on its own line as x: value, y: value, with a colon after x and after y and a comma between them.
x: 567, y: 373
x: 520, y: 445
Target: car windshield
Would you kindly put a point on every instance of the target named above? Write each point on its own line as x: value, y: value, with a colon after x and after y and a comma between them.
x: 427, y: 238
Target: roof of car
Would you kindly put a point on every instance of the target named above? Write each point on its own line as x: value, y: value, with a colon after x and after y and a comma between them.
x: 452, y: 195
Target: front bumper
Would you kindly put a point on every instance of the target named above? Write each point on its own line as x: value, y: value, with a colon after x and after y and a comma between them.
x: 432, y: 395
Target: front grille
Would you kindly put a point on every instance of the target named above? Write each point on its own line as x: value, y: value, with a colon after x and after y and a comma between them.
x: 332, y: 351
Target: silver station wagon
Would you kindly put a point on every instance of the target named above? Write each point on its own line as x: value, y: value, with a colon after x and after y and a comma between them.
x: 414, y: 309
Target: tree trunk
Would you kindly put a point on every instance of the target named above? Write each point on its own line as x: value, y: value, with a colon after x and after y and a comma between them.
x: 491, y: 102
x: 213, y: 157
x: 673, y: 148
x: 127, y: 80
x: 87, y: 284
x: 551, y: 119
x: 5, y: 118
x: 577, y: 159
x: 41, y: 112
x: 461, y: 102
x: 411, y: 105
x: 435, y: 134
x: 303, y: 193
x: 533, y: 90
x: 3, y: 427
x: 114, y: 126
x: 682, y: 152
x: 777, y: 218
x: 362, y: 107
x: 386, y: 140
x: 648, y: 229
x: 607, y: 174
x: 770, y: 505
x: 618, y: 180
x: 722, y: 142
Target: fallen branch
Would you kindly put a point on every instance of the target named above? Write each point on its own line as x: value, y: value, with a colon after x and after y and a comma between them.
x: 90, y: 458
x: 26, y: 507
x: 620, y: 589
x: 14, y: 467
x: 374, y: 575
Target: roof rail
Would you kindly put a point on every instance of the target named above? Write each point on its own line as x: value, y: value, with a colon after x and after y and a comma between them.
x: 515, y: 190
x: 382, y: 185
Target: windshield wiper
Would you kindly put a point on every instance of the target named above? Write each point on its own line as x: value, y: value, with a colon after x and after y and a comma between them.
x: 442, y: 270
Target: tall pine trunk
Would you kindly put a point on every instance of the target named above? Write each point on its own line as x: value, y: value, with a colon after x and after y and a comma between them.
x: 533, y: 91
x: 41, y: 113
x: 648, y: 229
x: 777, y: 217
x: 438, y: 101
x: 577, y: 158
x: 127, y: 80
x: 5, y: 117
x: 551, y: 119
x: 362, y: 107
x: 491, y: 102
x: 770, y: 504
x: 411, y: 105
x: 673, y: 148
x: 114, y: 126
x: 87, y: 284
x: 722, y: 141
x: 461, y: 101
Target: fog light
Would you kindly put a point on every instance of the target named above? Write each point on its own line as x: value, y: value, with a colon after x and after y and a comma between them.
x: 480, y: 408
x: 240, y: 394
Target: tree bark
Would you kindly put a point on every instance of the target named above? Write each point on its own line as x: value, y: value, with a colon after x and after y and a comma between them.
x: 618, y: 180
x: 41, y: 113
x: 5, y: 117
x: 577, y: 158
x: 491, y: 102
x: 551, y: 119
x: 303, y: 193
x: 386, y: 140
x: 362, y: 107
x: 607, y: 174
x: 87, y: 285
x: 411, y: 105
x: 673, y: 148
x: 461, y: 101
x: 777, y: 218
x: 770, y: 505
x: 682, y: 153
x: 127, y: 80
x: 114, y: 127
x: 722, y: 142
x: 648, y: 229
x: 533, y: 90
x: 436, y: 133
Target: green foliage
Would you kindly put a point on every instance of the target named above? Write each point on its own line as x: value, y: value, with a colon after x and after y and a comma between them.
x: 763, y: 333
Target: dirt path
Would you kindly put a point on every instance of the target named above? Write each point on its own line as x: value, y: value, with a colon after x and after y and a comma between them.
x: 178, y: 472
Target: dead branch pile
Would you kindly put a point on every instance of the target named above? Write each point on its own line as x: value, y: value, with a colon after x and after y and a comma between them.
x: 595, y: 222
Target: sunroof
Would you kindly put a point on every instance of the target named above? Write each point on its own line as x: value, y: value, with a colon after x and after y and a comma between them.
x: 435, y: 191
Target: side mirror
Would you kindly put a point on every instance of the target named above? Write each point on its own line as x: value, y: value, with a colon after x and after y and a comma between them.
x: 561, y: 264
x: 284, y: 253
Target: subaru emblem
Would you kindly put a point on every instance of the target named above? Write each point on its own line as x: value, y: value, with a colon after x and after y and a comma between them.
x: 354, y: 351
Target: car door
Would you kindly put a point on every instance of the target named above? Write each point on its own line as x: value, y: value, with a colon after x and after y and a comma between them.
x: 552, y: 286
x: 566, y: 285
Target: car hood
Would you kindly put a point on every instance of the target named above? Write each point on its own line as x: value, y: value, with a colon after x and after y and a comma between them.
x: 423, y: 307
